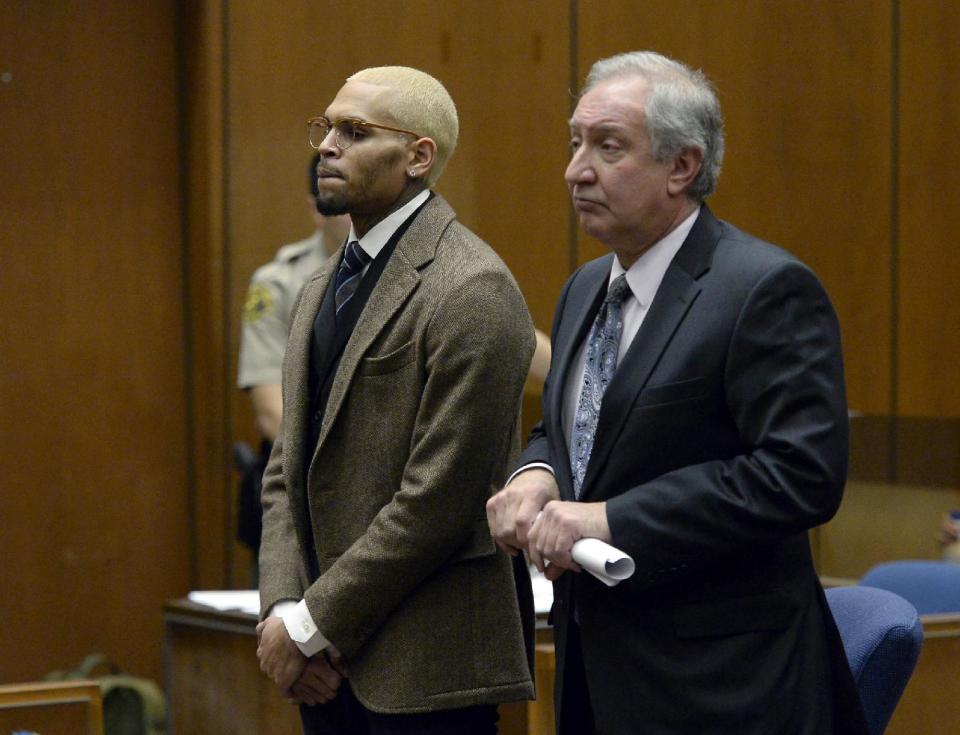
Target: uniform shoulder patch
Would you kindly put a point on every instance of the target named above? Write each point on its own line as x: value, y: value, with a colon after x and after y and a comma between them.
x: 258, y: 304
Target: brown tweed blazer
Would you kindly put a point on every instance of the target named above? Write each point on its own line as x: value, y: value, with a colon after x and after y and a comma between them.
x: 419, y: 428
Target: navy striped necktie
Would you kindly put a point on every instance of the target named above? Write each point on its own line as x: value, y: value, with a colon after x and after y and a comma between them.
x: 355, y: 259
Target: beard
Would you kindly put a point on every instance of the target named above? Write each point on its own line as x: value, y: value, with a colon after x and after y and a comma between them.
x: 356, y: 192
x: 331, y: 204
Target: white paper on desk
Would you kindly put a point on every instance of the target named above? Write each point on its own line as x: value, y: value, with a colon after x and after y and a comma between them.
x: 247, y: 601
x: 605, y: 562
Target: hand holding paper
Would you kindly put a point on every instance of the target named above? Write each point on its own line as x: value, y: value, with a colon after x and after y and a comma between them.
x: 605, y: 562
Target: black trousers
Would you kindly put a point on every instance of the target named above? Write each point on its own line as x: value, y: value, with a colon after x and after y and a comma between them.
x: 344, y: 715
x: 575, y: 711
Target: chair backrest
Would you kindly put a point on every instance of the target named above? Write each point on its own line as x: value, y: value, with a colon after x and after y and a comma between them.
x: 882, y: 635
x: 930, y: 586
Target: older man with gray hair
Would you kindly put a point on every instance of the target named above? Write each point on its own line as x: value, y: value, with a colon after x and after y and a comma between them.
x: 694, y: 416
x: 387, y: 606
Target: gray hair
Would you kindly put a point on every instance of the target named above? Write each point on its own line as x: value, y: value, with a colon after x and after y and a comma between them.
x: 682, y: 110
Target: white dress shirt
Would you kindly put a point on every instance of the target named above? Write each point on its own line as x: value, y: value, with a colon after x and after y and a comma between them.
x: 644, y: 278
x: 296, y: 617
x: 379, y: 235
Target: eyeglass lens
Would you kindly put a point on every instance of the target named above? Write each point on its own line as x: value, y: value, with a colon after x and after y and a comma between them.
x: 345, y: 133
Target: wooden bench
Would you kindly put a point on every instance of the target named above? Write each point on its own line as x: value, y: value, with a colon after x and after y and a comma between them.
x: 52, y: 708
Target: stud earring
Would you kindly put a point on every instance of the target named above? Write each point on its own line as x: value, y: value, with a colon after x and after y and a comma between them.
x: 412, y: 174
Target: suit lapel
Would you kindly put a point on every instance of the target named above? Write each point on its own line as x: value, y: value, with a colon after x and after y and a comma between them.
x: 416, y: 247
x: 296, y: 398
x: 584, y: 303
x: 677, y: 292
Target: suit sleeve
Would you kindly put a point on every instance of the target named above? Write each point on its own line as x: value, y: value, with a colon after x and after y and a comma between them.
x: 784, y: 389
x: 281, y: 571
x: 478, y: 348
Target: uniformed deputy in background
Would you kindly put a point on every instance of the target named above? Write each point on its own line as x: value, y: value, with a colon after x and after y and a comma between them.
x: 267, y: 313
x: 268, y: 306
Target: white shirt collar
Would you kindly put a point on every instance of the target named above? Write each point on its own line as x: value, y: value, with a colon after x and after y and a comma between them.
x: 646, y: 273
x: 378, y: 236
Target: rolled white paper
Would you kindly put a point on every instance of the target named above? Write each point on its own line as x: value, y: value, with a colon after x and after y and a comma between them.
x: 605, y: 562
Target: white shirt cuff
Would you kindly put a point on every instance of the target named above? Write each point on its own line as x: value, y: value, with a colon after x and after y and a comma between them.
x: 532, y: 466
x: 301, y: 628
x: 280, y: 609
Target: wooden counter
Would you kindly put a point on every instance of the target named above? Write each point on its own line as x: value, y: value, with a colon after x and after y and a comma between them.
x: 213, y: 681
x: 215, y: 687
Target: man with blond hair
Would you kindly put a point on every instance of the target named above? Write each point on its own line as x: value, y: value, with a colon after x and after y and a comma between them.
x: 387, y: 607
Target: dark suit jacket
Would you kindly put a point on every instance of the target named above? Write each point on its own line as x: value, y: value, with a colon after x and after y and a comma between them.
x: 420, y: 425
x: 721, y: 440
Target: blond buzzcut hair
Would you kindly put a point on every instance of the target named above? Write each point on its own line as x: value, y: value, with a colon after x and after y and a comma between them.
x: 422, y: 104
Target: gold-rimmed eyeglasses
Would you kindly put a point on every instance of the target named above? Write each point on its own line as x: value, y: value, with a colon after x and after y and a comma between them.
x: 348, y: 130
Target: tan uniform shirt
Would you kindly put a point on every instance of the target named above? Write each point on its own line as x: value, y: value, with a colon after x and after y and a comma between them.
x: 268, y: 309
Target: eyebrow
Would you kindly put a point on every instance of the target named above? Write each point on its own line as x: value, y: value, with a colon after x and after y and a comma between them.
x: 333, y: 118
x: 601, y: 127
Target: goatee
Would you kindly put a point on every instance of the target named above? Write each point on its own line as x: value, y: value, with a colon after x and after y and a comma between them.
x: 332, y: 206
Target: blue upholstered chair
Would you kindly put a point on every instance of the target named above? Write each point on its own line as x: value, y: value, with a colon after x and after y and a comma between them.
x: 930, y: 586
x: 881, y: 635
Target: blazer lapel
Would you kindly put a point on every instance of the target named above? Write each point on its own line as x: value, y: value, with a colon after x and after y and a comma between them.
x: 296, y: 398
x: 399, y: 279
x: 677, y: 292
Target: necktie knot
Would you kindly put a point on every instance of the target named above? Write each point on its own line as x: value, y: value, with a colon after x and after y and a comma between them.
x: 618, y: 290
x: 355, y: 259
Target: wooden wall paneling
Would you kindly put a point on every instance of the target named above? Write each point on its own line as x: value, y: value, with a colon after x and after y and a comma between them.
x: 880, y: 522
x: 211, y: 389
x: 806, y: 92
x: 508, y: 71
x: 929, y: 155
x: 94, y: 457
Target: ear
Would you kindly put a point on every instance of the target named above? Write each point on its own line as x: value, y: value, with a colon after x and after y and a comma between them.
x: 686, y: 165
x: 422, y: 157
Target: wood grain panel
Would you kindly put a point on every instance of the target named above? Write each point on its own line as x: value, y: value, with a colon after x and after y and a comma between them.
x: 94, y: 456
x: 929, y: 270
x: 880, y: 522
x: 211, y: 385
x: 806, y: 90
x: 215, y: 684
x: 53, y: 708
x: 931, y: 702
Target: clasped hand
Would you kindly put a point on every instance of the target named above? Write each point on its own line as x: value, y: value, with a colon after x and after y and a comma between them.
x: 308, y: 681
x: 528, y: 515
